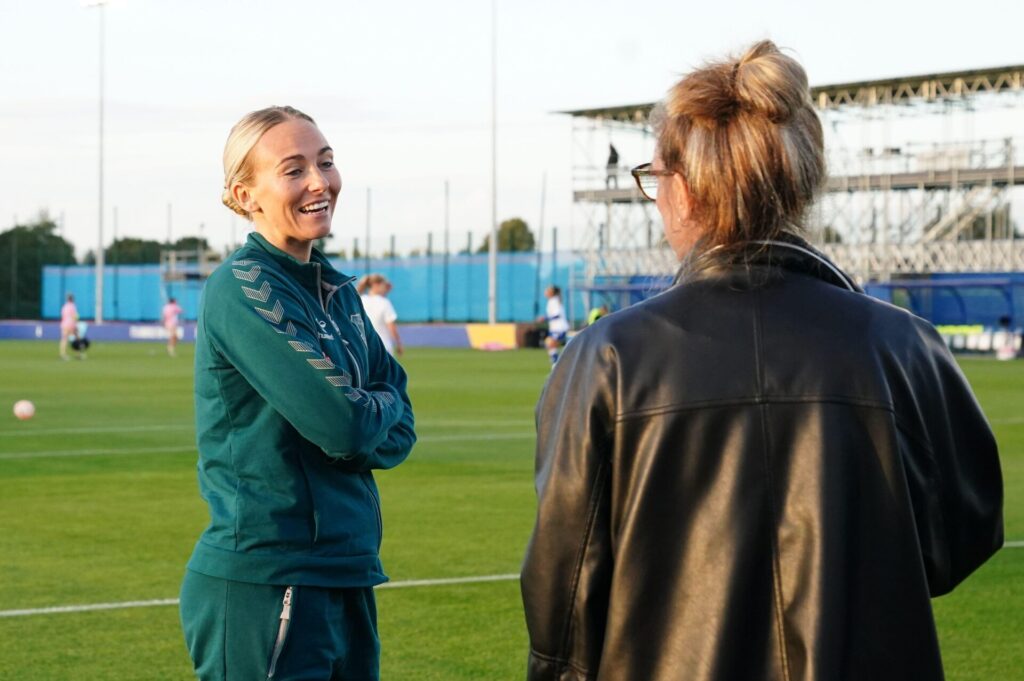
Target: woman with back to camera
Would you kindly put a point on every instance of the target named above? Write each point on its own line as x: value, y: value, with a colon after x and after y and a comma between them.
x: 296, y: 402
x: 761, y: 473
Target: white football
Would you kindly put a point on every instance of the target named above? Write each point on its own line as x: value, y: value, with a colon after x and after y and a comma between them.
x: 24, y: 409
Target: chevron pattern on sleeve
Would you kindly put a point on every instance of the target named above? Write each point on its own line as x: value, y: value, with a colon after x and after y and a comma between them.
x: 273, y: 316
x: 249, y: 276
x: 343, y: 381
x: 289, y: 329
x: 261, y: 294
x: 321, y: 364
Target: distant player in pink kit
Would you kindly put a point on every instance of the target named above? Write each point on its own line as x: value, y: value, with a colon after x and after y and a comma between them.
x: 169, y: 315
x: 68, y: 320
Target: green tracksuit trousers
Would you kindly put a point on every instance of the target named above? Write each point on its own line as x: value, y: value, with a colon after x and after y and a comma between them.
x: 237, y: 631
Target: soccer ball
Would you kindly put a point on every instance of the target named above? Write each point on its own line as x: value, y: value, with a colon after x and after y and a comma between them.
x: 24, y: 410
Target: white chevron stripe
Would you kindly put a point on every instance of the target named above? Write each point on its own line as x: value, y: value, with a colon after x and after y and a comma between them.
x: 249, y: 276
x: 242, y: 263
x: 262, y: 295
x: 385, y: 398
x: 299, y: 346
x: 321, y: 364
x: 289, y: 330
x: 273, y: 316
x: 342, y: 381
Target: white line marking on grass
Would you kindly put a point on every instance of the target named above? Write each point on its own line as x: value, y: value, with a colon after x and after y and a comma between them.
x: 97, y: 452
x: 448, y: 580
x: 409, y: 583
x: 91, y: 607
x: 61, y: 609
x: 1008, y: 419
x: 94, y: 429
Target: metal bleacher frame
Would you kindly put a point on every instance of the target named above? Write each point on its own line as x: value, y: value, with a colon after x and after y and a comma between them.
x: 885, y: 212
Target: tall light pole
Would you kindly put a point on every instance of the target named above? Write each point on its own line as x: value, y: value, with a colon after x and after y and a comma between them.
x: 492, y: 252
x: 100, y: 4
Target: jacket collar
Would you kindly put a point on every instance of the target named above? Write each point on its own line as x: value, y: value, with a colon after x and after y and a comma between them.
x: 788, y: 252
x: 305, y: 272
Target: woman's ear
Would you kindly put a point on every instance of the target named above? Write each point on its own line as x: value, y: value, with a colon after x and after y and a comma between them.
x: 244, y: 198
x: 681, y: 198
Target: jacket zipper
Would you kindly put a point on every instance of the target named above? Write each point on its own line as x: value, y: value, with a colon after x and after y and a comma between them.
x: 282, y: 631
x: 376, y: 507
x: 359, y: 376
x: 320, y: 295
x: 319, y: 287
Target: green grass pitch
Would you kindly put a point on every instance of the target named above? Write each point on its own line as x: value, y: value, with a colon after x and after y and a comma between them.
x: 99, y: 504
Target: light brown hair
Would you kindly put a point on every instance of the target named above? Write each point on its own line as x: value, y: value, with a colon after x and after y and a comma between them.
x: 246, y: 133
x: 744, y: 136
x: 370, y: 280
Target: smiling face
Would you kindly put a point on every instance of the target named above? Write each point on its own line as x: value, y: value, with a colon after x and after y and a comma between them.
x: 294, y: 187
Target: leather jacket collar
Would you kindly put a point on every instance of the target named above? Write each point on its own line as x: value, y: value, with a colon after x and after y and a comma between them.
x: 764, y: 259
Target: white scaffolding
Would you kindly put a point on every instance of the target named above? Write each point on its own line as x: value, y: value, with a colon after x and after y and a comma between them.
x: 939, y: 199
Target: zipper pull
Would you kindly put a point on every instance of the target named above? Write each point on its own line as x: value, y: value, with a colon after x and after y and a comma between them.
x: 286, y: 609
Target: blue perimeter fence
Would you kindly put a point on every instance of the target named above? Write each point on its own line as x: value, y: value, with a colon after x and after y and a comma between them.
x: 426, y: 288
x: 435, y: 289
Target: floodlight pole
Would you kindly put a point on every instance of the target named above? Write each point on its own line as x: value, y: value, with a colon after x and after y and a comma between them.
x: 492, y: 253
x: 100, y: 4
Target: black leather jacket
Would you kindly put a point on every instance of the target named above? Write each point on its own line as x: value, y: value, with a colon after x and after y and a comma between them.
x: 761, y: 473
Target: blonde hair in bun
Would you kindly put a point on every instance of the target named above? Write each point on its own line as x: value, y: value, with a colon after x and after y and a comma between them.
x: 238, y: 166
x: 744, y: 135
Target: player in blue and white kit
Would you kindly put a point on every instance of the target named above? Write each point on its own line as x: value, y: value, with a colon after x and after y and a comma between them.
x: 558, y: 324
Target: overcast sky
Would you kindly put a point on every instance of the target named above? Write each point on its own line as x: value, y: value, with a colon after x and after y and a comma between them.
x: 402, y: 90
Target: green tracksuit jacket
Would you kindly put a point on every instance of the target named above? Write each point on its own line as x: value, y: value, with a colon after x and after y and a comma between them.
x: 296, y: 401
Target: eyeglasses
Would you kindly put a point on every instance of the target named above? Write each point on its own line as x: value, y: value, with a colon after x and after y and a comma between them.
x: 647, y: 179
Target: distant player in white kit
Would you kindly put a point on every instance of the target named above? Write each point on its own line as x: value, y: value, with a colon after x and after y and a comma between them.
x: 558, y: 324
x: 169, y: 316
x: 68, y: 322
x: 373, y: 289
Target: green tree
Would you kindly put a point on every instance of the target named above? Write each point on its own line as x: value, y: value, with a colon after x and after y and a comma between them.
x: 24, y: 249
x: 514, y: 236
x: 133, y: 251
x: 191, y: 243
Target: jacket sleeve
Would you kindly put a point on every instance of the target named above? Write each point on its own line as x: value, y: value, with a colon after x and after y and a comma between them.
x: 955, y: 483
x: 261, y: 328
x: 567, y: 571
x: 387, y: 373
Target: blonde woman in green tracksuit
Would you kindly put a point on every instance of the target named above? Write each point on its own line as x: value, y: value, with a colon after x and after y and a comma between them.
x: 296, y: 402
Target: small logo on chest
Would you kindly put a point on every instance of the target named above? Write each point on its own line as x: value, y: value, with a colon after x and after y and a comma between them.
x: 323, y: 330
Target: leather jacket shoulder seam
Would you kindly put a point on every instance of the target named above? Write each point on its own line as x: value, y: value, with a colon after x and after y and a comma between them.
x: 752, y: 401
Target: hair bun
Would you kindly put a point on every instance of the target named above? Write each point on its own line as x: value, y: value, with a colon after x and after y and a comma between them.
x: 769, y: 83
x: 762, y: 82
x: 707, y: 97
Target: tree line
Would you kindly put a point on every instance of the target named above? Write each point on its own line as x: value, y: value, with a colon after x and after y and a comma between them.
x: 26, y: 248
